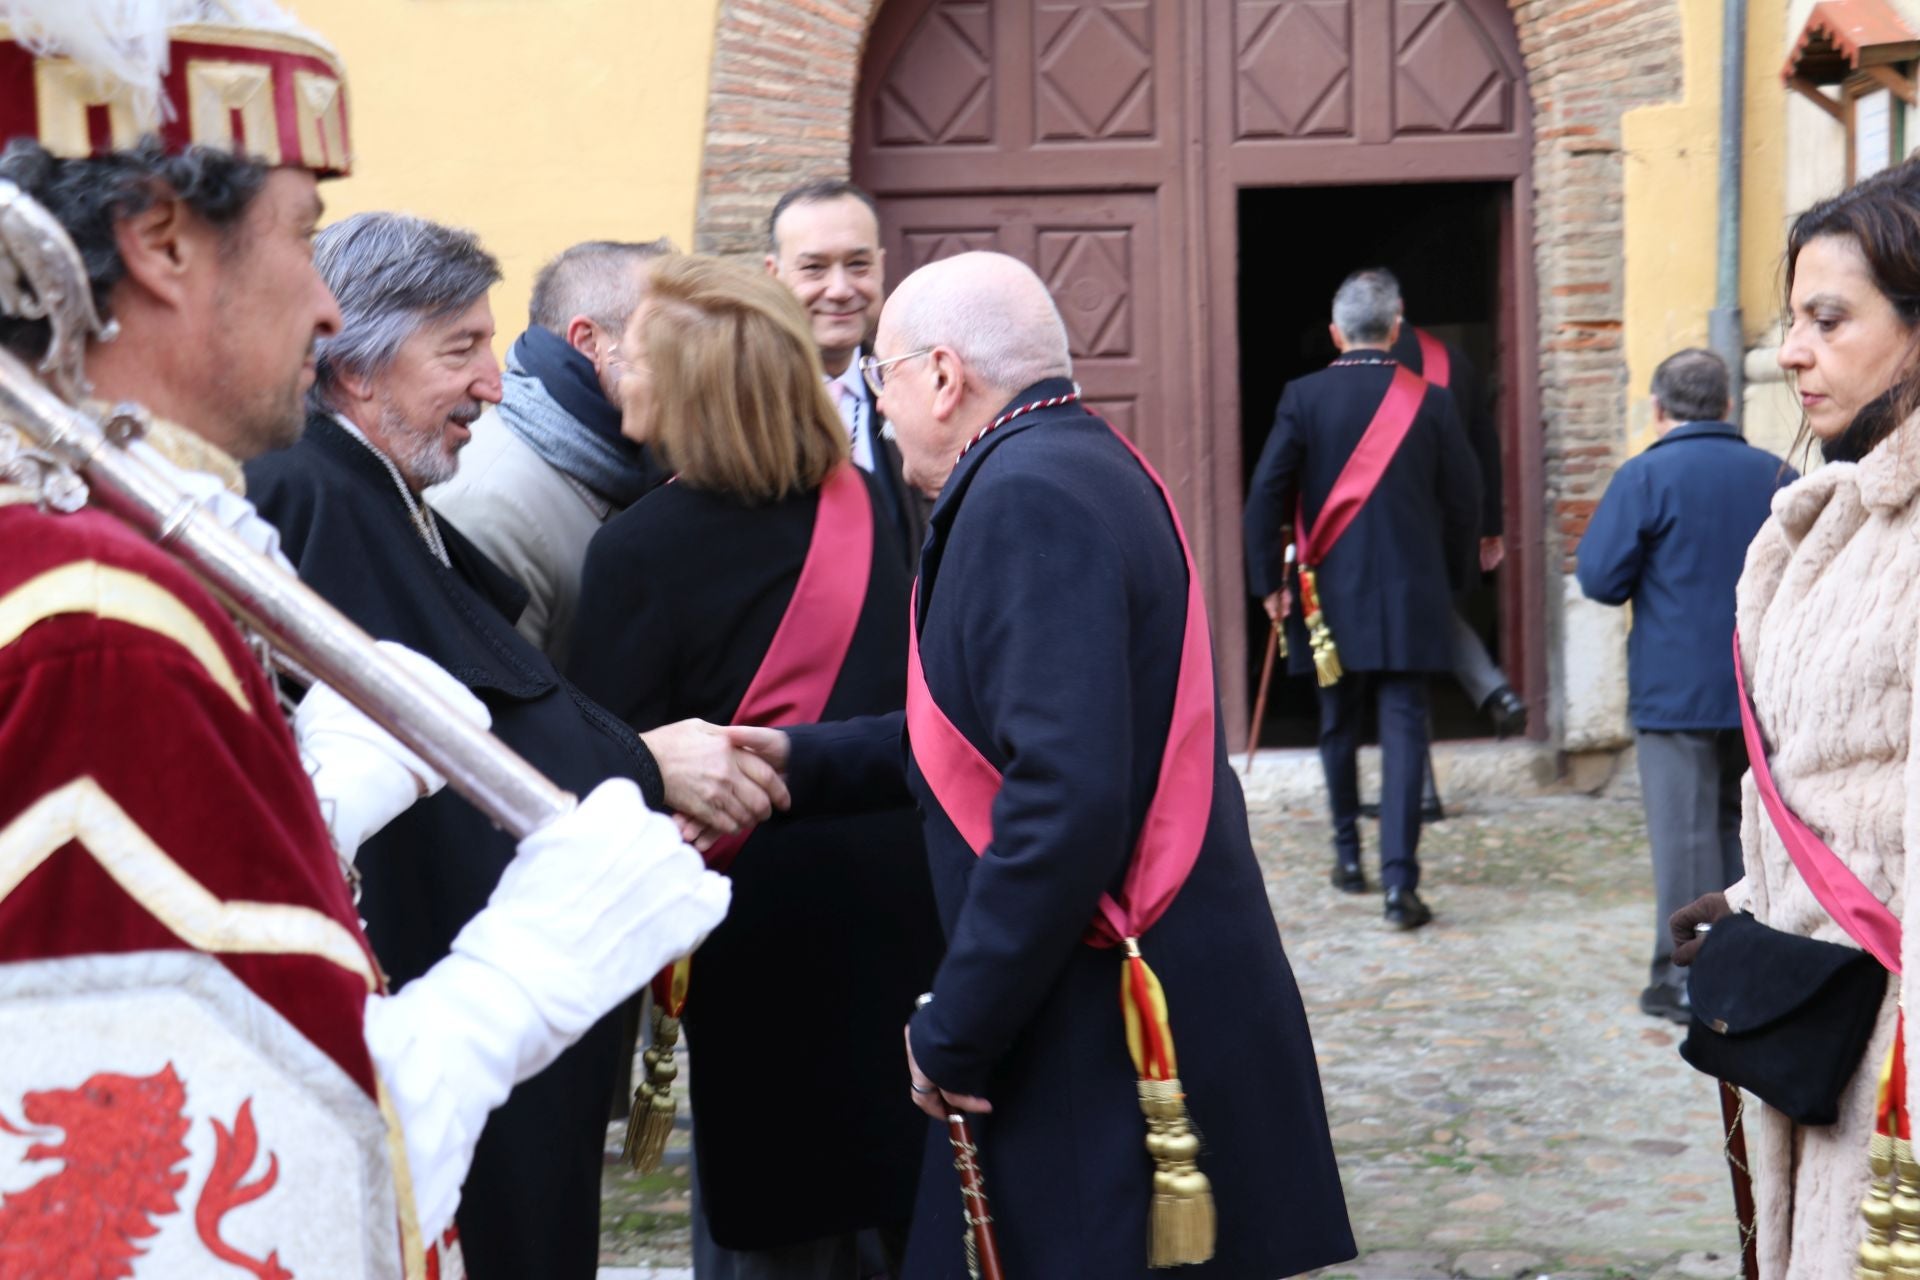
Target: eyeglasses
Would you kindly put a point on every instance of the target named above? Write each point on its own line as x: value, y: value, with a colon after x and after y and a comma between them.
x: 870, y: 368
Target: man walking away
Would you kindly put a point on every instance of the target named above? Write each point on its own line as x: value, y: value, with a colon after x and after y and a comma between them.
x: 1387, y: 535
x: 1671, y: 536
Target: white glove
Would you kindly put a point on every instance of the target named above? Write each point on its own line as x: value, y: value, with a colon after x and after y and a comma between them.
x: 223, y: 504
x: 595, y: 904
x: 362, y: 774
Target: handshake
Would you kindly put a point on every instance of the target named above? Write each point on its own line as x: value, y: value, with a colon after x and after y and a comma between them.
x: 719, y: 780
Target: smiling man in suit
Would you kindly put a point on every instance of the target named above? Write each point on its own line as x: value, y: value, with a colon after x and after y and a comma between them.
x: 823, y: 242
x: 1405, y: 514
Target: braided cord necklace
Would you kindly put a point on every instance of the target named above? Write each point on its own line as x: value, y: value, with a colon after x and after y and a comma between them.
x: 1070, y: 397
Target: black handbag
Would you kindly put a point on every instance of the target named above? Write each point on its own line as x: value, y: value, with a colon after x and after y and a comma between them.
x: 1784, y: 1017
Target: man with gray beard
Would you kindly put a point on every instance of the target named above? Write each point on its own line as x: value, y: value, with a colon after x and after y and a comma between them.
x: 396, y: 391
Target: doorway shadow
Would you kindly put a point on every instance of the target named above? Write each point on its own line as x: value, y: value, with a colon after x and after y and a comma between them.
x: 1296, y: 245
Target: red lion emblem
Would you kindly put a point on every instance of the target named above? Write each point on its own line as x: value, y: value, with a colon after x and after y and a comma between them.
x: 122, y: 1142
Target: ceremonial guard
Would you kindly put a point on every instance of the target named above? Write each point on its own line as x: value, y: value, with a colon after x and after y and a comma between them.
x: 765, y: 586
x: 194, y: 1020
x: 1115, y: 1012
x: 396, y: 388
x: 1368, y: 466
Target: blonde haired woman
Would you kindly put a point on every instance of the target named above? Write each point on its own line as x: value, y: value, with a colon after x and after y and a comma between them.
x: 759, y: 587
x: 1828, y: 611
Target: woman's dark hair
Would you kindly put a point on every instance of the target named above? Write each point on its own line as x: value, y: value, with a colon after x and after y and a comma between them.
x: 1881, y: 215
x: 88, y: 196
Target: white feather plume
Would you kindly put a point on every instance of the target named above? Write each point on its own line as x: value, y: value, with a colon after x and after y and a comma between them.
x: 125, y: 41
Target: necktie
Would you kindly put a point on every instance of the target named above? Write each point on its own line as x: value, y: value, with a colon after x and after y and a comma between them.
x: 849, y: 406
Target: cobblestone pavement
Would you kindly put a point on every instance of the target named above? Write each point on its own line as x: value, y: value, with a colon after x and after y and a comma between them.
x: 1500, y: 1106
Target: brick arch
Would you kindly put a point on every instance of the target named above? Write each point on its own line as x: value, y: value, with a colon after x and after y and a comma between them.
x: 779, y: 110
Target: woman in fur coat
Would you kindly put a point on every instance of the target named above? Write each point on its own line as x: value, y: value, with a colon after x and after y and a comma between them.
x: 1828, y: 611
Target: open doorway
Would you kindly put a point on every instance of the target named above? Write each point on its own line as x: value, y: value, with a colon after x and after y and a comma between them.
x: 1443, y: 241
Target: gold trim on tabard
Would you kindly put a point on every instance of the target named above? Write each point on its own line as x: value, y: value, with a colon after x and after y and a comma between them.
x: 118, y: 595
x: 319, y: 109
x: 63, y: 91
x: 82, y: 812
x: 216, y: 90
x: 413, y: 1246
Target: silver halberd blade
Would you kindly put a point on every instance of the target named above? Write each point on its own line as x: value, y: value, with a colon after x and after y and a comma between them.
x: 42, y: 277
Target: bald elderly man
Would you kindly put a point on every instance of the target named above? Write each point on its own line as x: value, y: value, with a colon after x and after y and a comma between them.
x: 1063, y: 739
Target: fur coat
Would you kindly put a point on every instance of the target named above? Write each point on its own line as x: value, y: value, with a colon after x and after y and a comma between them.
x: 1829, y: 612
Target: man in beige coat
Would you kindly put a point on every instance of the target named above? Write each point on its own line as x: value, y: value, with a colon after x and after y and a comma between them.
x: 548, y: 465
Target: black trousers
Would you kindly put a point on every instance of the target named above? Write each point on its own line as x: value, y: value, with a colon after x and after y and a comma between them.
x: 1402, y: 700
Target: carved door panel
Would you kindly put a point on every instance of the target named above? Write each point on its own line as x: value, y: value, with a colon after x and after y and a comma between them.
x: 998, y: 94
x: 1096, y: 253
x: 1365, y: 91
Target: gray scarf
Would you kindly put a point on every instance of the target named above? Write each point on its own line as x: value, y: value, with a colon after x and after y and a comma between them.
x: 604, y: 461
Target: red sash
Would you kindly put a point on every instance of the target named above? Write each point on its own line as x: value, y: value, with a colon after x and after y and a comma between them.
x: 966, y: 784
x: 1834, y: 884
x: 1364, y: 467
x: 1436, y: 366
x: 810, y: 646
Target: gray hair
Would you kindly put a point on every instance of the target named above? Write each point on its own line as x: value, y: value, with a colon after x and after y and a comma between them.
x: 1692, y: 386
x: 392, y: 273
x: 993, y: 311
x: 1366, y: 305
x: 594, y: 279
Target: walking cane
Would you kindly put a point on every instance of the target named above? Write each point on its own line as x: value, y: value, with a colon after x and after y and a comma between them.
x: 983, y: 1250
x: 1276, y: 645
x: 1732, y: 1107
x: 1274, y: 642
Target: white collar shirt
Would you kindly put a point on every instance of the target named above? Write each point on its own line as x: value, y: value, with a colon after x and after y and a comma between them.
x: 849, y: 397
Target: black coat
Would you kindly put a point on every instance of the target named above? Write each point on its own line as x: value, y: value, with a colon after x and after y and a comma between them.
x: 531, y: 1203
x: 1387, y: 586
x: 801, y: 993
x: 1053, y: 600
x: 1475, y: 407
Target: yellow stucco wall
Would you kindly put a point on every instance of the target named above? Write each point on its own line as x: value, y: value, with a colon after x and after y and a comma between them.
x: 537, y: 123
x: 1671, y: 177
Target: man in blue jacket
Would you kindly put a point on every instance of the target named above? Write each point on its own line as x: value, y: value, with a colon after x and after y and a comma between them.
x: 1671, y: 535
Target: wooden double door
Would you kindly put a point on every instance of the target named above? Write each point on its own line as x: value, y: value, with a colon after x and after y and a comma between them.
x: 1107, y: 143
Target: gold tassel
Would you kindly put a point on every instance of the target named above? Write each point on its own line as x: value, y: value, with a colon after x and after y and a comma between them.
x: 1181, y: 1227
x: 1903, y: 1254
x: 1326, y: 659
x: 1876, y: 1255
x: 651, y: 1122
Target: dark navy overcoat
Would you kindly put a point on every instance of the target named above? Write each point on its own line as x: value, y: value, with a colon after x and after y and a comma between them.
x: 1671, y: 534
x: 1387, y: 586
x: 1052, y: 605
x: 531, y: 1201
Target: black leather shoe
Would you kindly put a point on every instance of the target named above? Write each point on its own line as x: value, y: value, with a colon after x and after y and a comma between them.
x: 1405, y: 910
x: 1348, y: 877
x: 1663, y: 1001
x: 1508, y: 713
